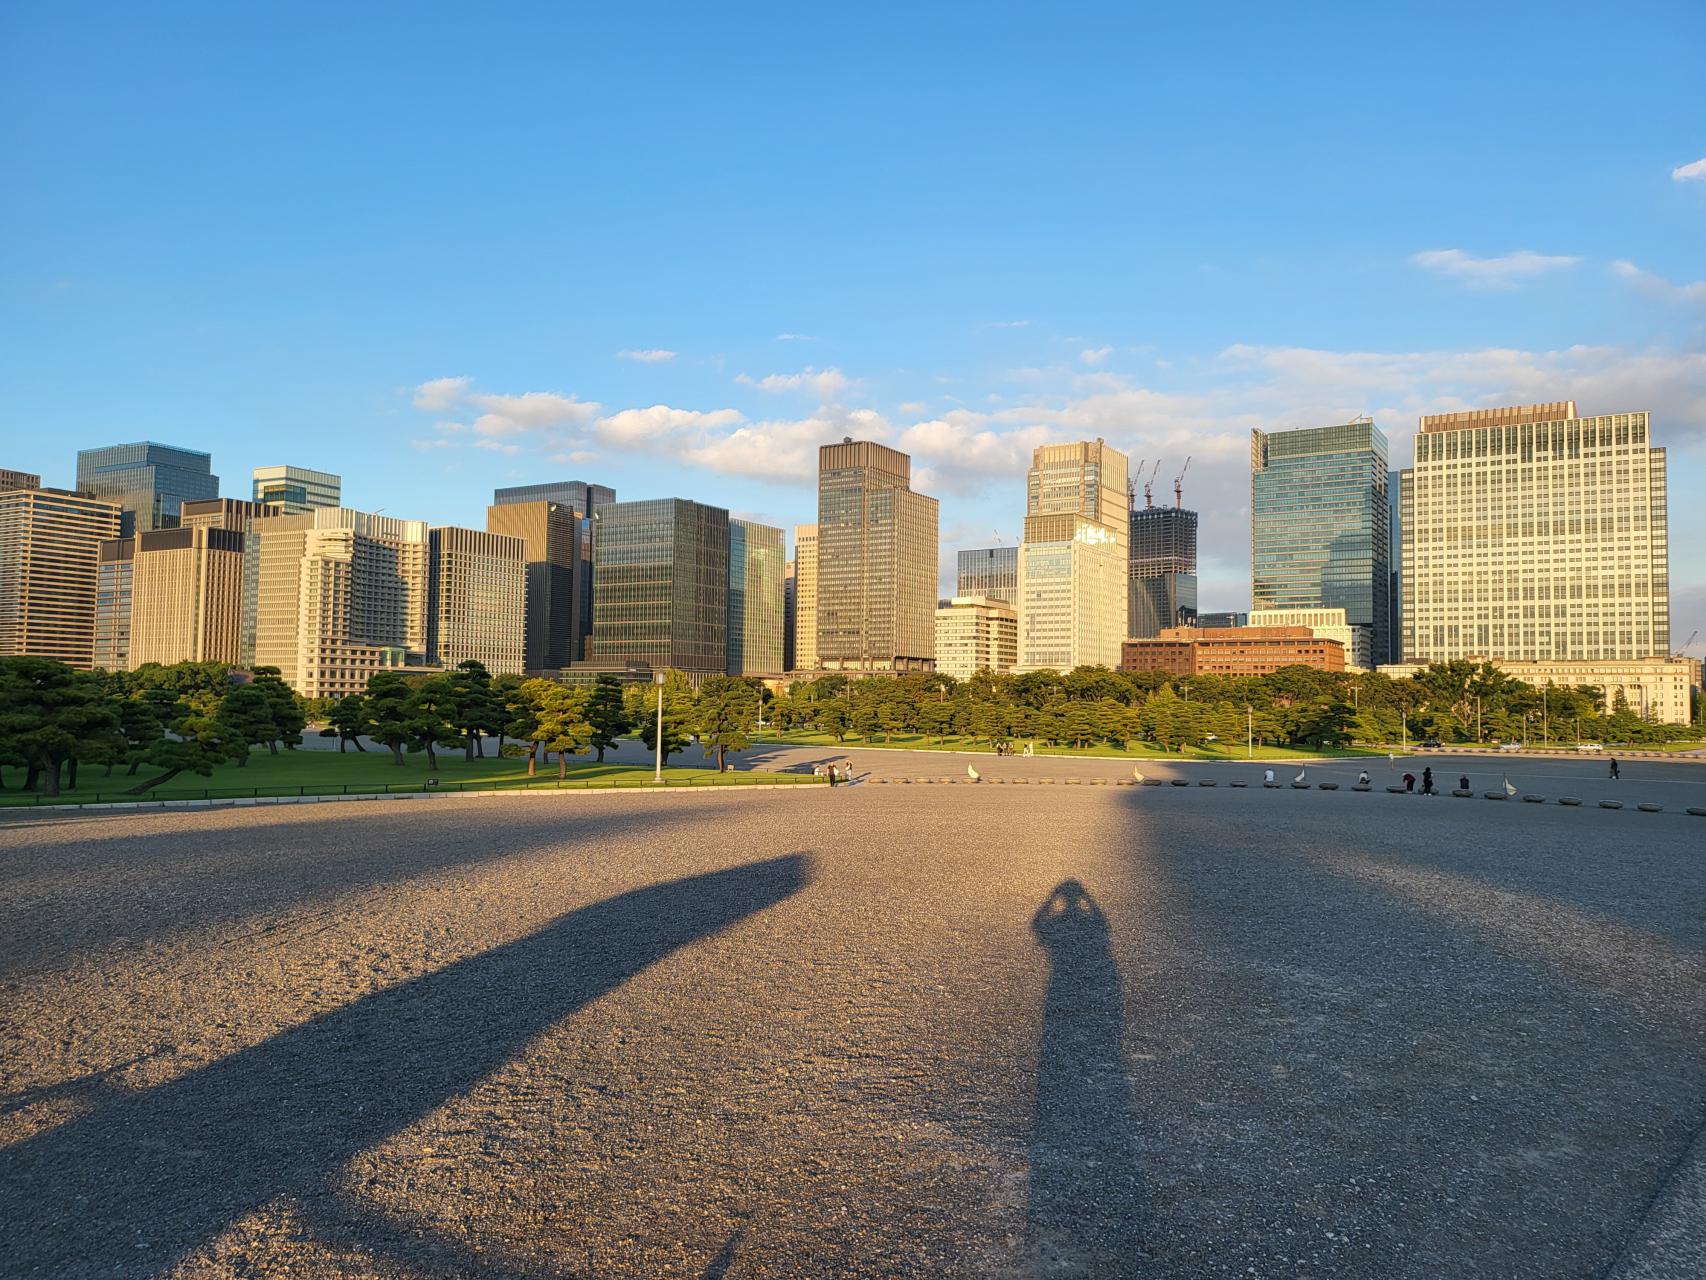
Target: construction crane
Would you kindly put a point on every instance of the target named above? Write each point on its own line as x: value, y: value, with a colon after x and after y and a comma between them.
x: 1684, y: 647
x: 1149, y: 485
x: 1179, y: 482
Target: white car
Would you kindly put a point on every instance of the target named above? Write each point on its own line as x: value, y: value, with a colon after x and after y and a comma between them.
x: 1511, y: 746
x: 1589, y: 746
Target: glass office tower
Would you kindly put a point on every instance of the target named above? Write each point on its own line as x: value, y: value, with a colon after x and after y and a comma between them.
x: 1162, y: 588
x: 662, y: 574
x: 1073, y: 566
x: 575, y: 494
x: 1319, y: 518
x: 149, y: 481
x: 990, y: 572
x: 755, y: 599
x: 297, y: 490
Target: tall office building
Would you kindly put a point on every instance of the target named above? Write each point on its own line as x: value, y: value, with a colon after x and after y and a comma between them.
x: 115, y: 564
x: 976, y: 633
x: 477, y: 599
x: 805, y: 598
x: 237, y: 515
x: 877, y: 561
x: 661, y: 570
x: 1073, y: 600
x: 1318, y: 524
x: 49, y: 555
x: 1530, y: 533
x: 577, y: 495
x: 297, y: 490
x: 340, y: 594
x: 149, y: 481
x: 990, y: 572
x: 1394, y: 561
x: 1162, y: 568
x: 788, y: 615
x: 186, y: 596
x: 755, y: 599
x: 558, y: 623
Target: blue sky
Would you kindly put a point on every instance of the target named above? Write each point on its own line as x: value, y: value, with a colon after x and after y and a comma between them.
x: 442, y: 248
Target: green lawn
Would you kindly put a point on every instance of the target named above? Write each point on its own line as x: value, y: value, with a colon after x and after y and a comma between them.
x: 1143, y: 751
x: 309, y: 772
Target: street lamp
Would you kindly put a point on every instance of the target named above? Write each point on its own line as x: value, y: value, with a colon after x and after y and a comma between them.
x: 657, y: 678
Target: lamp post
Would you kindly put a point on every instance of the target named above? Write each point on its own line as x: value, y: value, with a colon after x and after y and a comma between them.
x: 657, y: 677
x: 1249, y: 732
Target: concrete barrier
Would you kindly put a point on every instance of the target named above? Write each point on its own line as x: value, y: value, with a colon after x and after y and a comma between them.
x: 1300, y: 786
x: 1466, y: 795
x: 1495, y: 795
x: 1273, y: 785
x: 1152, y: 782
x: 1237, y: 784
x: 1534, y: 799
x: 1328, y: 786
x: 1698, y: 813
x: 1651, y: 808
x: 1610, y: 804
x: 1363, y: 786
x: 1397, y: 791
x: 1205, y: 782
x: 1180, y: 782
x: 1568, y: 800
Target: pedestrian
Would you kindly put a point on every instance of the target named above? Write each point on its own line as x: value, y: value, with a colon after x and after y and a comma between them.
x: 1616, y: 773
x: 1409, y: 782
x: 1268, y: 775
x: 1362, y: 778
x: 1463, y: 783
x: 1428, y: 781
x: 832, y: 776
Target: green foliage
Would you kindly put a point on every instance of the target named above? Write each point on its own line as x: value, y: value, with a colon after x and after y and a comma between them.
x: 429, y: 717
x: 476, y: 706
x: 560, y: 716
x: 246, y: 716
x: 607, y: 713
x: 52, y: 716
x: 388, y: 711
x: 349, y: 720
x: 726, y: 710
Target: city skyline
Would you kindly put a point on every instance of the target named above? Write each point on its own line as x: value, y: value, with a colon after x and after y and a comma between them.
x: 434, y: 350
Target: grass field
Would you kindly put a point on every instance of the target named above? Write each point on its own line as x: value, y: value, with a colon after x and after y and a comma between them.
x: 333, y: 773
x: 1143, y: 751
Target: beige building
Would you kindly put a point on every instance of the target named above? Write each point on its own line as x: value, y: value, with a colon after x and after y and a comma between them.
x: 805, y: 597
x: 1655, y: 689
x: 340, y: 594
x: 876, y: 563
x: 1328, y: 624
x: 49, y: 556
x: 1532, y: 534
x: 1072, y: 603
x: 186, y: 596
x: 239, y: 515
x: 976, y: 633
x: 477, y: 611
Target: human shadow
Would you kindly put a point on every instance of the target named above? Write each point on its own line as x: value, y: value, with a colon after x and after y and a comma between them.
x: 1086, y: 1181
x: 134, y: 1185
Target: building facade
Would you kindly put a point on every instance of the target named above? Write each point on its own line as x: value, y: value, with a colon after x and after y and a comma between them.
x: 1223, y: 619
x: 186, y: 596
x: 1232, y: 651
x: 239, y: 516
x: 805, y: 599
x: 661, y: 574
x: 877, y: 561
x: 1395, y: 564
x: 340, y: 595
x: 976, y: 633
x: 1656, y: 689
x: 1532, y: 534
x: 477, y: 599
x: 1073, y: 600
x: 113, y: 574
x: 559, y: 564
x: 148, y: 481
x: 50, y: 543
x: 576, y: 495
x: 990, y: 572
x: 1328, y: 624
x: 18, y: 480
x: 756, y: 612
x: 1162, y: 587
x: 297, y: 490
x: 1319, y: 515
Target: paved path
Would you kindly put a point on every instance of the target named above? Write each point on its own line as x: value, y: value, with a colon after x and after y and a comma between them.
x: 875, y: 1031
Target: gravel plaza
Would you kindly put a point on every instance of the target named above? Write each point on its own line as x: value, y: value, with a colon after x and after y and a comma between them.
x: 883, y: 1030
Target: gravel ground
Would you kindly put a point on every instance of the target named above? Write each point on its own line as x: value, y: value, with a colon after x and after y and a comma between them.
x: 875, y: 1031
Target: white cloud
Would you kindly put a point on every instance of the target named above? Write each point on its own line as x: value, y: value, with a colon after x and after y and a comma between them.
x: 1008, y: 324
x: 1504, y: 272
x: 440, y: 394
x: 795, y: 337
x: 647, y: 355
x: 825, y: 383
x: 1695, y: 172
x: 1657, y: 286
x: 1095, y: 355
x: 498, y: 446
x: 967, y: 454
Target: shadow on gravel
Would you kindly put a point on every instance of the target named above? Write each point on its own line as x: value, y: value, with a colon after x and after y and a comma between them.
x: 132, y: 1187
x: 1086, y: 1184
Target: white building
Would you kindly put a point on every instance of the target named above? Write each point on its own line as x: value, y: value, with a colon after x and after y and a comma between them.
x: 1327, y: 624
x: 975, y: 633
x: 1073, y: 606
x: 297, y: 490
x: 1655, y: 689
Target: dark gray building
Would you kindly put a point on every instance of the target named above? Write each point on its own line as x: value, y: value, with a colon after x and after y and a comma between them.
x: 149, y: 481
x: 989, y: 571
x: 577, y: 495
x: 559, y: 569
x: 661, y: 585
x: 1394, y: 605
x: 1162, y: 571
x: 1224, y: 619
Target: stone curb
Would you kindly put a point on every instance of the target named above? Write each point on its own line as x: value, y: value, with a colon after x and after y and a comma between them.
x: 247, y: 802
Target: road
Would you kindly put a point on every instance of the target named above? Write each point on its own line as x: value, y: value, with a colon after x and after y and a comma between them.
x: 957, y: 1031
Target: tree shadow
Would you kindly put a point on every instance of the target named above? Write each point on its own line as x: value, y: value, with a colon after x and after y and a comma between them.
x: 131, y: 1187
x: 1086, y: 1181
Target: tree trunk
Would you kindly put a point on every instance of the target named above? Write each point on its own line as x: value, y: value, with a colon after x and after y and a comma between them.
x: 32, y: 776
x: 468, y: 747
x: 562, y: 766
x: 357, y: 741
x: 722, y: 758
x: 341, y: 741
x: 134, y: 765
x: 532, y: 758
x: 109, y: 772
x: 600, y: 751
x: 432, y: 757
x: 243, y: 761
x: 50, y: 779
x: 397, y: 752
x: 154, y: 782
x: 273, y: 746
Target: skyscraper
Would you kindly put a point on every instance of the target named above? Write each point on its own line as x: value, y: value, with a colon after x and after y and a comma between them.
x: 238, y: 515
x: 1318, y: 524
x: 661, y: 570
x: 805, y: 598
x: 976, y: 633
x: 1162, y: 567
x: 877, y: 566
x: 1073, y: 600
x: 990, y: 572
x: 340, y: 594
x: 296, y: 490
x: 477, y: 599
x: 586, y: 500
x: 49, y: 552
x: 148, y: 481
x: 558, y: 562
x: 1394, y: 561
x: 755, y: 599
x: 186, y: 595
x: 1532, y: 534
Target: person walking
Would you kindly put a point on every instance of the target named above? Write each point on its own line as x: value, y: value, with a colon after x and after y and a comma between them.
x: 1615, y: 773
x: 1428, y: 780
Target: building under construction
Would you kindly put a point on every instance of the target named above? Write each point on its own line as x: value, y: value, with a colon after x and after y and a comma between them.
x: 1162, y: 566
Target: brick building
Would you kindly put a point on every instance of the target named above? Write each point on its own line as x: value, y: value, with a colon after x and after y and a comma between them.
x: 1232, y: 651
